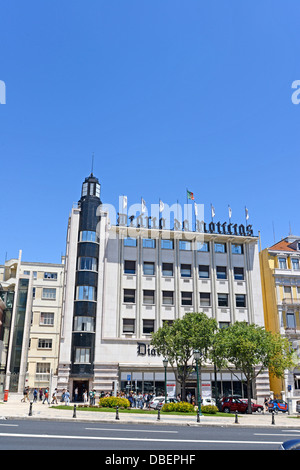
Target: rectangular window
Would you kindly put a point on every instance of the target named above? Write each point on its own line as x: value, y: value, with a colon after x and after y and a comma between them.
x: 148, y: 243
x: 186, y: 298
x: 130, y: 241
x: 240, y: 300
x: 148, y: 268
x: 204, y: 299
x: 82, y: 355
x: 186, y: 270
x: 167, y: 269
x: 185, y: 245
x: 128, y: 325
x: 287, y: 290
x: 282, y: 263
x: 88, y: 236
x: 203, y: 246
x: 167, y: 244
x: 223, y: 300
x: 86, y: 293
x: 237, y: 249
x: 148, y: 297
x: 148, y: 327
x: 168, y: 298
x: 203, y: 271
x: 84, y: 189
x: 87, y: 263
x: 129, y: 296
x: 84, y: 324
x: 295, y: 264
x: 220, y: 247
x: 47, y: 318
x: 97, y: 190
x: 221, y: 272
x: 290, y: 320
x: 45, y: 344
x: 48, y: 293
x: 50, y: 276
x: 238, y: 274
x: 129, y: 267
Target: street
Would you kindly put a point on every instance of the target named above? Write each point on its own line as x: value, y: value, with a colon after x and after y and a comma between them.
x: 50, y: 435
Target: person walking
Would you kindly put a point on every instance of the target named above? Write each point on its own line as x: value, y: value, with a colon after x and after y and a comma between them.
x: 35, y: 395
x: 54, y: 397
x: 67, y: 398
x: 46, y: 396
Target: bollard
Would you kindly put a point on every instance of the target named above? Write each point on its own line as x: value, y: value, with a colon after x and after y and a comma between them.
x: 198, y: 415
x: 74, y: 412
x: 158, y: 415
x: 30, y: 409
x: 273, y: 417
x: 117, y: 413
x: 236, y: 417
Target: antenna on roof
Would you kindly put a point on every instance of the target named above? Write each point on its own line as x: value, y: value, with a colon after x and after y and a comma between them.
x: 92, y: 164
x: 290, y: 228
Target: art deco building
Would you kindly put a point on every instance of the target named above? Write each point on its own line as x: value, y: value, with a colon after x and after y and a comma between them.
x: 124, y: 279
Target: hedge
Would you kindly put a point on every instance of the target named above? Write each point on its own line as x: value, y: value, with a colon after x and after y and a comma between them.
x: 209, y: 409
x: 113, y: 402
x: 181, y: 407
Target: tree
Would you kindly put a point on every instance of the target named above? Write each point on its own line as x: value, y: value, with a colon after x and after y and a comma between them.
x: 177, y: 342
x: 250, y: 349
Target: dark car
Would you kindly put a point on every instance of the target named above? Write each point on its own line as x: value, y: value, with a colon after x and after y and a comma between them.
x: 293, y: 444
x: 278, y: 405
x: 233, y: 404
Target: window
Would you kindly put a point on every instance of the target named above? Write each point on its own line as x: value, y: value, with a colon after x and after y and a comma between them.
x: 129, y: 296
x: 33, y: 292
x: 87, y: 263
x: 186, y: 298
x: 295, y: 264
x: 130, y: 241
x: 129, y: 267
x: 240, y: 300
x: 128, y: 325
x: 167, y: 322
x: 220, y: 247
x: 185, y: 245
x: 287, y: 290
x: 45, y: 344
x: 148, y: 243
x: 82, y: 355
x: 238, y: 274
x: 84, y: 324
x: 50, y: 276
x: 97, y: 190
x: 86, y: 293
x: 223, y: 300
x: 167, y: 244
x: 221, y: 272
x: 92, y: 187
x: 148, y: 297
x: 167, y: 269
x: 204, y: 299
x: 203, y: 271
x: 185, y: 270
x: 290, y: 320
x: 224, y: 324
x: 282, y: 263
x: 47, y: 318
x: 203, y: 246
x: 27, y: 273
x: 237, y: 249
x: 168, y: 298
x: 49, y: 293
x: 148, y: 327
x: 84, y: 189
x: 148, y: 268
x: 43, y: 368
x: 88, y: 236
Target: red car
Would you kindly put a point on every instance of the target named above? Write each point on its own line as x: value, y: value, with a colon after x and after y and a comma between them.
x: 232, y: 404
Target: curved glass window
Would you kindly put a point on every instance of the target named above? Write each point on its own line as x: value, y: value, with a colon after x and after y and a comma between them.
x: 88, y: 236
x: 86, y: 293
x: 84, y: 324
x: 87, y: 263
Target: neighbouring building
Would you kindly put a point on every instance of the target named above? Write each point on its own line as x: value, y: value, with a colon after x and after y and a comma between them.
x: 124, y: 279
x: 29, y: 334
x: 280, y: 273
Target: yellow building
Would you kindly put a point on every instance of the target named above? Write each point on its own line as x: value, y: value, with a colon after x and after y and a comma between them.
x: 280, y: 275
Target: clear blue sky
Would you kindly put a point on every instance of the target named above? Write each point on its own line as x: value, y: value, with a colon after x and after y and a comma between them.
x: 168, y: 94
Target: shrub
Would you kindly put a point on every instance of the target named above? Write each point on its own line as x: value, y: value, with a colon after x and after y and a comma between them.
x: 209, y: 409
x: 181, y: 407
x: 113, y: 402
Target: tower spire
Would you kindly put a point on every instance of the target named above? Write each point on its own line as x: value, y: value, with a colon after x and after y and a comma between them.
x: 92, y: 164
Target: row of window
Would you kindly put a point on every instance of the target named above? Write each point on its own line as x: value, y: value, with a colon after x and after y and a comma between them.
x: 282, y: 263
x: 185, y: 270
x: 185, y: 245
x: 47, y: 275
x: 186, y: 298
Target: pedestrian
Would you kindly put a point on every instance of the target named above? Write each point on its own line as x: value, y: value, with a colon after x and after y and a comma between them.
x: 76, y: 394
x: 41, y: 394
x: 85, y: 396
x: 35, y: 395
x: 266, y: 403
x: 25, y: 394
x: 46, y: 396
x: 54, y: 397
x: 67, y: 398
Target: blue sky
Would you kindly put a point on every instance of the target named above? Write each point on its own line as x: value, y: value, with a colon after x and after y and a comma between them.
x: 167, y: 94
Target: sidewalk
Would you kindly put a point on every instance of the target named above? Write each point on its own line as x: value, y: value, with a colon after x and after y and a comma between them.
x: 15, y: 409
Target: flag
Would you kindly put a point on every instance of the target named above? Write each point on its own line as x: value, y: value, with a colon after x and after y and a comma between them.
x: 190, y: 195
x: 143, y: 206
x: 196, y: 209
x: 229, y: 212
x: 124, y: 202
x: 246, y: 213
x: 161, y: 206
x: 212, y: 211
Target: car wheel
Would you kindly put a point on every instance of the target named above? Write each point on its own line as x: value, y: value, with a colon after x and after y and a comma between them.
x: 259, y: 410
x: 226, y: 410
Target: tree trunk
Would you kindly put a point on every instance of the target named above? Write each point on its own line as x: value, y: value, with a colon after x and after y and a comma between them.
x: 249, y: 387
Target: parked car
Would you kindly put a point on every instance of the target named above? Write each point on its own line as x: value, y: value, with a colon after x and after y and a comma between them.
x: 208, y: 401
x: 298, y: 406
x: 232, y: 404
x: 278, y: 405
x: 158, y: 402
x: 293, y: 444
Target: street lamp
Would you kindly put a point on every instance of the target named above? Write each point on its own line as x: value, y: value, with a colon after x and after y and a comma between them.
x: 197, y: 355
x: 165, y: 363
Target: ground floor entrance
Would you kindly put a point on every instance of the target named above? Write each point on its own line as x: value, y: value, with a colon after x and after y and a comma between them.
x: 79, y: 387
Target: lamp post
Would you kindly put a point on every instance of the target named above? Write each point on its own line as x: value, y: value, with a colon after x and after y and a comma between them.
x: 197, y: 356
x: 165, y: 363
